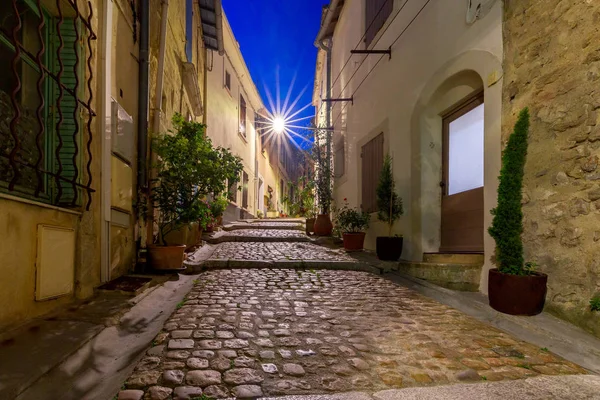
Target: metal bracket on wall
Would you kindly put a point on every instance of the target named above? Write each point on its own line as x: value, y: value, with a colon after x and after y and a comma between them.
x: 343, y: 99
x: 388, y: 52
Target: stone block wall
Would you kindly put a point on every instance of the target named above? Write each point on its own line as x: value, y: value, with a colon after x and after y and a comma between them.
x: 552, y: 66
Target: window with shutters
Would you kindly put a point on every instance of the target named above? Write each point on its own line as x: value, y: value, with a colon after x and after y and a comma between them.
x: 242, y: 116
x: 372, y: 162
x: 376, y: 13
x: 42, y: 79
x: 245, y: 190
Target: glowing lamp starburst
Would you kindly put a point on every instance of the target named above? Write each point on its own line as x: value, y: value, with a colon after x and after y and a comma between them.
x: 278, y: 125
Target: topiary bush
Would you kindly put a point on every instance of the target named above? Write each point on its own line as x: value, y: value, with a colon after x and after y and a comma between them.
x: 507, y: 224
x: 389, y: 203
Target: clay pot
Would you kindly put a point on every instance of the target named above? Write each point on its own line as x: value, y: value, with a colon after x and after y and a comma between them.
x: 354, y: 241
x: 389, y: 248
x: 323, y: 225
x: 517, y: 294
x: 310, y: 225
x: 166, y: 257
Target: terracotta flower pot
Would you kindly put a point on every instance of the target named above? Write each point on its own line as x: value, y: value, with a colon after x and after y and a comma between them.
x: 517, y: 294
x: 310, y: 225
x: 220, y: 221
x: 209, y: 228
x: 354, y: 241
x: 389, y: 248
x: 166, y: 257
x: 323, y: 225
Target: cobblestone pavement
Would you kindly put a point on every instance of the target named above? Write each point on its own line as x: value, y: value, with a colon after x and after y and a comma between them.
x: 278, y: 252
x: 248, y: 333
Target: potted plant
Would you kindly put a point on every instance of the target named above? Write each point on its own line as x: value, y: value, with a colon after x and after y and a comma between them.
x: 352, y: 224
x: 389, y: 204
x: 259, y: 214
x: 514, y: 287
x: 188, y: 167
x: 217, y: 208
x: 323, y: 180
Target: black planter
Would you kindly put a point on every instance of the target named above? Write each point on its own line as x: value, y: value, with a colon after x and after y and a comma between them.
x: 389, y: 248
x: 515, y: 294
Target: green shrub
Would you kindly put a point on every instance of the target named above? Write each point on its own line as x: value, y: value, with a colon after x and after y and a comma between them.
x: 188, y: 169
x: 389, y: 203
x: 507, y: 225
x: 218, y: 206
x: 595, y: 303
x: 350, y: 220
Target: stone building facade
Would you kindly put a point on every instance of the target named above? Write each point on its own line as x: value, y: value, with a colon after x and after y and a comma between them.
x: 552, y: 66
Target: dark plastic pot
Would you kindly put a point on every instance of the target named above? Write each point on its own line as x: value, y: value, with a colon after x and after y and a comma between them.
x: 389, y: 248
x: 516, y: 294
x: 310, y: 225
x: 323, y: 225
x: 354, y: 241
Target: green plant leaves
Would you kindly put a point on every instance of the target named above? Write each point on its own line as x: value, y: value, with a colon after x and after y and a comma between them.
x: 507, y: 224
x: 389, y: 203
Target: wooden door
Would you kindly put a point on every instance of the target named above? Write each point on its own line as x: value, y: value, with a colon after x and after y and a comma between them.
x: 462, y: 184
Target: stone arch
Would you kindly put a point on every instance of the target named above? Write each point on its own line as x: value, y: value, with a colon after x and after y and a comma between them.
x: 465, y: 74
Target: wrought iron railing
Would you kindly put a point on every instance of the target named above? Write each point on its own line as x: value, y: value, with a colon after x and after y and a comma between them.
x: 46, y: 94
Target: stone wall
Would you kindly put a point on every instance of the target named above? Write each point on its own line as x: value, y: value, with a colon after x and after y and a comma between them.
x: 552, y: 66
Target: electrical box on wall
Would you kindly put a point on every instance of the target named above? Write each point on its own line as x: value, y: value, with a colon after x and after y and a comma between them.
x: 477, y: 9
x: 123, y: 135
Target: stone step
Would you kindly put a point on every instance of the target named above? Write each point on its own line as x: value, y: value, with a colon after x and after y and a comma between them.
x: 456, y: 276
x: 257, y: 239
x: 454, y: 258
x: 238, y: 226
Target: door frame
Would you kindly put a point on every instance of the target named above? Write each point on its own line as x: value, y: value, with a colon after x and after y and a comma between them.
x: 463, y: 107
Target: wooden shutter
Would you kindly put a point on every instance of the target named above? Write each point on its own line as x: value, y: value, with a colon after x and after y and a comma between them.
x: 372, y: 162
x: 70, y: 127
x: 242, y: 115
x: 245, y: 191
x: 376, y: 13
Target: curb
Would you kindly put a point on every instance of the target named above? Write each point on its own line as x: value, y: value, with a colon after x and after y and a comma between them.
x: 211, y: 264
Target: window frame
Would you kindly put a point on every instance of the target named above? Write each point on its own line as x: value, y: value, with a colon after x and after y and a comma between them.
x: 48, y: 195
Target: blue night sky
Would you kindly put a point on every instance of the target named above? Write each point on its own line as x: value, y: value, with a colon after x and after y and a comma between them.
x: 278, y: 34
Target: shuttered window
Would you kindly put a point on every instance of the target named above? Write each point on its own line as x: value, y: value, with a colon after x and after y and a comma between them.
x: 372, y: 162
x: 242, y: 116
x: 245, y: 190
x: 376, y: 13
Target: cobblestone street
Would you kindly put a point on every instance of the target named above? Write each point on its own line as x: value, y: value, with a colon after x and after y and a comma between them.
x: 263, y: 332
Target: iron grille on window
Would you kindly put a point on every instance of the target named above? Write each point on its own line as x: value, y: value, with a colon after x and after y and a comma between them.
x: 376, y: 13
x: 45, y: 113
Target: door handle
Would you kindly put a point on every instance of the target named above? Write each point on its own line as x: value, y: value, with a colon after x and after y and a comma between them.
x: 442, y: 184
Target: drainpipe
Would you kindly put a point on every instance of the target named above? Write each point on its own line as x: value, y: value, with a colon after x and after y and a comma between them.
x: 142, y: 173
x: 161, y: 66
x: 158, y: 102
x: 106, y: 130
x: 219, y: 23
x: 325, y: 44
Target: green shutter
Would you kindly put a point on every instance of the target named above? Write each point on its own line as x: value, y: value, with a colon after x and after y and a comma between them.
x: 70, y: 128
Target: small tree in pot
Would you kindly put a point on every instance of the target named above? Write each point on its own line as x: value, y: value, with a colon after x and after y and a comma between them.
x: 323, y: 180
x: 188, y: 168
x: 514, y: 287
x: 352, y: 224
x: 389, y: 204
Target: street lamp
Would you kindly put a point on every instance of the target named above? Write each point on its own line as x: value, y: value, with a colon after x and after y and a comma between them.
x: 278, y: 125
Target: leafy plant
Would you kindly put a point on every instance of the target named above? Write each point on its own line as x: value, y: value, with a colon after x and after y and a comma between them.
x: 323, y: 171
x: 595, y: 303
x: 188, y: 168
x: 507, y: 224
x: 389, y: 203
x: 218, y: 206
x: 350, y: 220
